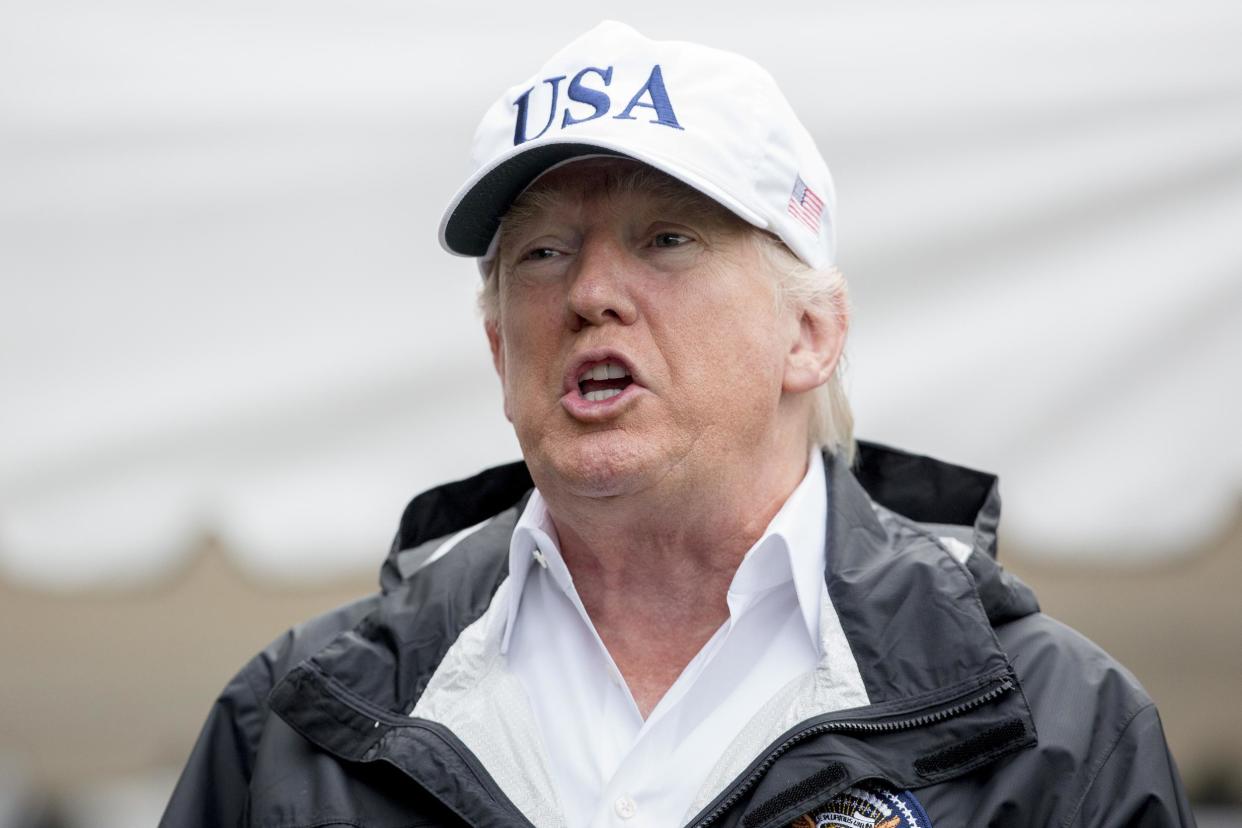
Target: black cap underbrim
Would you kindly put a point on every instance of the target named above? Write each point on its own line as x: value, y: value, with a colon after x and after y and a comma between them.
x: 475, y: 219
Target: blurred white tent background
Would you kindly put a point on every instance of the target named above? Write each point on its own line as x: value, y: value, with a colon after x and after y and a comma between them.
x: 224, y: 309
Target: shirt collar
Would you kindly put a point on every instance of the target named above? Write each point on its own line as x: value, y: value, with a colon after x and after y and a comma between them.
x: 533, y: 544
x: 790, y: 549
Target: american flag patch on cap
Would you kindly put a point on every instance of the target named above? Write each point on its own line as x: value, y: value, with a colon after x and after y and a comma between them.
x: 805, y: 206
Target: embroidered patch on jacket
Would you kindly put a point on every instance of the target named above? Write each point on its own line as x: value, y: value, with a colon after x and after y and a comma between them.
x: 867, y: 807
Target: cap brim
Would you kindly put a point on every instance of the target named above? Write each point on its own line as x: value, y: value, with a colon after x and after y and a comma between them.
x: 472, y: 221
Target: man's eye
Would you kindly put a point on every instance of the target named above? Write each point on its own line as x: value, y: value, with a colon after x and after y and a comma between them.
x: 669, y: 239
x: 539, y: 253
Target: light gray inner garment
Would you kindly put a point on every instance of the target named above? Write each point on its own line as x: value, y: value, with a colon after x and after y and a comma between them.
x: 474, y: 694
x: 425, y: 554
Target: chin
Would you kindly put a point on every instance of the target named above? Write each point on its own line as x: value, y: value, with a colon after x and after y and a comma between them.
x: 602, y: 464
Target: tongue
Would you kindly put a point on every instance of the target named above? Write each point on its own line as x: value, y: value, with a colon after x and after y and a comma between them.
x: 603, y: 385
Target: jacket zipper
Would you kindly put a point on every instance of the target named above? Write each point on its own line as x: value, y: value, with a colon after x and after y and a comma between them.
x: 852, y: 726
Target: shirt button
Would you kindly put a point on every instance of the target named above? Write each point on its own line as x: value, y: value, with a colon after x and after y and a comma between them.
x: 625, y: 807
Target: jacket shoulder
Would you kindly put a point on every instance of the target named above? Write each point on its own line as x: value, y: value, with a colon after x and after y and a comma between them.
x: 307, y: 638
x: 213, y: 788
x: 248, y: 691
x: 1101, y: 751
x: 1053, y: 659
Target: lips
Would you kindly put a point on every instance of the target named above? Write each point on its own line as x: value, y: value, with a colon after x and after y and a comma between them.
x: 604, y: 380
x: 597, y: 381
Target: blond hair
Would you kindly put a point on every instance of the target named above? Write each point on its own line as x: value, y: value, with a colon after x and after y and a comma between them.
x: 800, y: 286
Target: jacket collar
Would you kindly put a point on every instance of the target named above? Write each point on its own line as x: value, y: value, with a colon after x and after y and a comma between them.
x: 910, y: 609
x: 439, y: 513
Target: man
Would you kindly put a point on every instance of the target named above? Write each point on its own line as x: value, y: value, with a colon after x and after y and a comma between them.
x: 710, y: 608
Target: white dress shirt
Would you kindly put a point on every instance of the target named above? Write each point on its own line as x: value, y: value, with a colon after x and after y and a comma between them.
x: 610, y: 767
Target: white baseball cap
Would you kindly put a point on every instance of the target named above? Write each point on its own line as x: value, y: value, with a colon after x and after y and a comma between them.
x: 710, y: 118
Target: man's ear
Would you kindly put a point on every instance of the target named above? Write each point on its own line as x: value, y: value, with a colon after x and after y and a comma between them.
x: 496, y: 343
x: 817, y: 349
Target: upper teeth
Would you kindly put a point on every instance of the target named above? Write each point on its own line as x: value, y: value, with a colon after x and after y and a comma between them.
x: 603, y: 371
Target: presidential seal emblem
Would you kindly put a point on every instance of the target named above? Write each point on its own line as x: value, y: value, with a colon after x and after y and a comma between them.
x: 867, y: 807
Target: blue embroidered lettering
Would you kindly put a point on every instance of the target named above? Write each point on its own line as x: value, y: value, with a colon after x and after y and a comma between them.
x: 654, y: 88
x: 584, y: 94
x: 523, y: 102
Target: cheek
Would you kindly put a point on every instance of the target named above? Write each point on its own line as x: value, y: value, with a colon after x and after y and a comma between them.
x: 529, y: 353
x: 532, y: 307
x: 726, y: 366
x: 742, y: 333
x: 532, y: 376
x: 532, y: 328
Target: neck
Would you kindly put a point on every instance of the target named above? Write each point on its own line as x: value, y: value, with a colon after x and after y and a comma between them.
x: 662, y: 560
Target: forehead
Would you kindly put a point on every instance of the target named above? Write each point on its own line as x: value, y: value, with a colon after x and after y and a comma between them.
x: 622, y: 183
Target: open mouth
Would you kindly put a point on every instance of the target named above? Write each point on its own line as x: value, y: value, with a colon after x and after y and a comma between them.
x: 603, y: 380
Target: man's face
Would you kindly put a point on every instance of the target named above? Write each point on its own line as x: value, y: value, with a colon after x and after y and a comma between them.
x: 639, y: 340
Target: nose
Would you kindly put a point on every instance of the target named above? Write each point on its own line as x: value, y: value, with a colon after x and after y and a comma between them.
x: 600, y: 290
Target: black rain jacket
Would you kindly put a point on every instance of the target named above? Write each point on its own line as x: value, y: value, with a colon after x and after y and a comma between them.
x: 984, y: 709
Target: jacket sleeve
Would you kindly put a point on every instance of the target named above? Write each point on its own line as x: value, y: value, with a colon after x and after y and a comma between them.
x: 1137, y: 784
x: 214, y: 786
